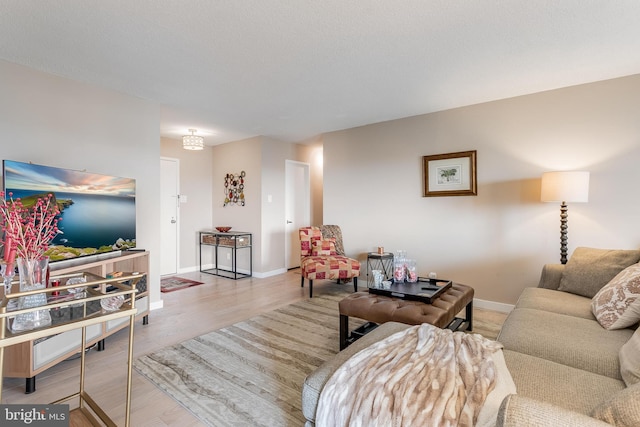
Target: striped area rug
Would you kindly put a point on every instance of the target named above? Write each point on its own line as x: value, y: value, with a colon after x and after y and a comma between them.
x: 250, y: 373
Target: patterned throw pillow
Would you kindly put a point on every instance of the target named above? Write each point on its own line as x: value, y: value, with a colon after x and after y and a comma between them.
x: 617, y: 305
x: 324, y: 247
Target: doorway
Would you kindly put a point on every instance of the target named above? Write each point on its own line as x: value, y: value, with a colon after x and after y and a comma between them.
x: 169, y: 212
x: 297, y: 208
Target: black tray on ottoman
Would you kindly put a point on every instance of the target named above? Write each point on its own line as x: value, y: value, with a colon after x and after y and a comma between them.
x: 424, y: 290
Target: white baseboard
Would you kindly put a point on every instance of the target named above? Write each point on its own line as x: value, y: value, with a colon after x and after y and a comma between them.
x: 491, y: 305
x: 193, y: 269
x: 156, y: 305
x: 196, y: 269
x: 269, y: 273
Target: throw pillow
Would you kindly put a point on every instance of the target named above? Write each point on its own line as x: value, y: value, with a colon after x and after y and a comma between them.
x: 617, y: 305
x: 588, y: 269
x: 629, y: 356
x: 325, y: 247
x: 622, y: 409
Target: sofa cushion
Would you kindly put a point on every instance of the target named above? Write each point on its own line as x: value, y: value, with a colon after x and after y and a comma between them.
x: 565, y: 339
x: 555, y: 383
x: 588, y: 269
x: 556, y: 302
x: 622, y: 409
x: 520, y: 411
x: 630, y: 360
x: 617, y: 305
x: 324, y: 247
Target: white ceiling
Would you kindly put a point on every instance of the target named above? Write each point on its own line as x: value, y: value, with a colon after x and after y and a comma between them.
x: 292, y: 69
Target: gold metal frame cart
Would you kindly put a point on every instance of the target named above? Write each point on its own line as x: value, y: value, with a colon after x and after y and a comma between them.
x: 96, y: 301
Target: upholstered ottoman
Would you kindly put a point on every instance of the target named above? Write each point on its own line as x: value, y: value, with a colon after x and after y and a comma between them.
x: 381, y: 309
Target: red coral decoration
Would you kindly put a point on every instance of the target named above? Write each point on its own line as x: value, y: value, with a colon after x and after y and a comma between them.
x: 28, y: 231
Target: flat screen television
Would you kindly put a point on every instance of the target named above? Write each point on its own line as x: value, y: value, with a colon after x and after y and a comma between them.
x: 98, y: 212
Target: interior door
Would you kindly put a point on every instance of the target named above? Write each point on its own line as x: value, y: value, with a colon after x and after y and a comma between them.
x: 169, y: 173
x: 297, y: 208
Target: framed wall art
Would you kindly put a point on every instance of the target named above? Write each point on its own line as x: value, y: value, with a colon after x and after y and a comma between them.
x: 452, y: 174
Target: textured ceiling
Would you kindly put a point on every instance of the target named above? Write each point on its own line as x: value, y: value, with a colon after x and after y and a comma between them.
x: 292, y: 69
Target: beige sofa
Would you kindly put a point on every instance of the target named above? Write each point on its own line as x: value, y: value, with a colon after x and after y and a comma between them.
x: 565, y: 365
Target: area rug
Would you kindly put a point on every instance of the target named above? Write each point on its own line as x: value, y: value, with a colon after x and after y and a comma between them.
x: 250, y: 373
x: 175, y: 283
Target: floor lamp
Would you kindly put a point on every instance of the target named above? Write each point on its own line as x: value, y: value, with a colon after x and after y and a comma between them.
x: 569, y: 186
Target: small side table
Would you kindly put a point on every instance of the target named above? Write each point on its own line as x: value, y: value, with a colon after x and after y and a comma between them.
x: 233, y: 241
x: 376, y: 261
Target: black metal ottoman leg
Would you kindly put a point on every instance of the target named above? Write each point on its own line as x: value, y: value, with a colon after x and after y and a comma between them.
x: 344, y: 331
x: 469, y: 315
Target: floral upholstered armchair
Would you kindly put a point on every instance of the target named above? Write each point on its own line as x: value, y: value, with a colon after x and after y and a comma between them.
x: 322, y: 257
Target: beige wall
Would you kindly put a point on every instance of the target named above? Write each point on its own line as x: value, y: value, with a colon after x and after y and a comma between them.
x: 498, y: 241
x: 197, y: 183
x: 56, y: 122
x: 202, y: 178
x: 245, y: 155
x: 263, y: 159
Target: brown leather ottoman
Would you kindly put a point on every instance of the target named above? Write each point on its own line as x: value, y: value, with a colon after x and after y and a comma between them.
x: 380, y: 309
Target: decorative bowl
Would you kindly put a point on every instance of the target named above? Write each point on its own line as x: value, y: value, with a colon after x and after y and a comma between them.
x: 112, y: 303
x: 223, y: 229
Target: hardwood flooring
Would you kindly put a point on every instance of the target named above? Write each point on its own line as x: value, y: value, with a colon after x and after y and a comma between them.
x: 186, y: 313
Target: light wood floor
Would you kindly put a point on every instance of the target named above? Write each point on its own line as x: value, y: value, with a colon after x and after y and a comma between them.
x: 187, y: 313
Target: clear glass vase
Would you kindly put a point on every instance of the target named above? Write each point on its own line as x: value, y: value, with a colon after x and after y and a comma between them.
x: 33, y: 275
x: 7, y: 276
x: 412, y: 271
x: 400, y: 266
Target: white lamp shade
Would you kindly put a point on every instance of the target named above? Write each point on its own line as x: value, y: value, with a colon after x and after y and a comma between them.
x: 568, y: 186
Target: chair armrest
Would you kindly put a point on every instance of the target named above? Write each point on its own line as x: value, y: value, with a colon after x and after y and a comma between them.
x: 551, y: 275
x: 522, y: 411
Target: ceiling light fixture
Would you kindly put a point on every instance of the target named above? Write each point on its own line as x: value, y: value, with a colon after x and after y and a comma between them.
x: 192, y: 142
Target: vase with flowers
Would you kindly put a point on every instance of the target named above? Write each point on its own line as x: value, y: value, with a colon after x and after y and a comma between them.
x: 28, y: 231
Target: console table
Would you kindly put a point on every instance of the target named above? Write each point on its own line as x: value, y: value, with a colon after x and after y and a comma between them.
x: 232, y: 241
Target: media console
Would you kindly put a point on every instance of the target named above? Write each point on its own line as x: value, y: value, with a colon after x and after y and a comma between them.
x: 30, y: 358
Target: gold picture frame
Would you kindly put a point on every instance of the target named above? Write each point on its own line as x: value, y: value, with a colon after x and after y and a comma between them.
x: 451, y: 174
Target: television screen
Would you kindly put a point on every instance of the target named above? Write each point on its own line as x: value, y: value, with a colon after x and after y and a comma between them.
x: 98, y: 212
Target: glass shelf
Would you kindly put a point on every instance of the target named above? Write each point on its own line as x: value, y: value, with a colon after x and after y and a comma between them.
x: 73, y: 304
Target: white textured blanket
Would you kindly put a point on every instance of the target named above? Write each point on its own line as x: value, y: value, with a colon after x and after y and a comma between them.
x: 422, y: 376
